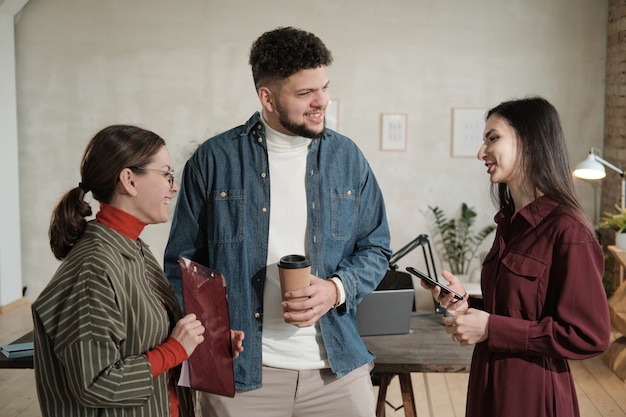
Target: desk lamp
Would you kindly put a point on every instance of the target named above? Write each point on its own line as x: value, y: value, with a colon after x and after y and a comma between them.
x: 592, y: 168
x: 429, y: 261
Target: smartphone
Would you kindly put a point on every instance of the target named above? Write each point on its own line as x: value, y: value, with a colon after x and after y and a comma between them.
x: 431, y: 282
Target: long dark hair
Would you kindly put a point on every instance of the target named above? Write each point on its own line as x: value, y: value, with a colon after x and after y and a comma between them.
x: 110, y: 151
x: 542, y: 150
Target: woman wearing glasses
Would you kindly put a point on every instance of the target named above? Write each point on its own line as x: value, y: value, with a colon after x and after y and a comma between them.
x: 109, y: 332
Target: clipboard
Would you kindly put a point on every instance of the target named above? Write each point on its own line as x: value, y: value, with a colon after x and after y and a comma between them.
x: 204, y: 294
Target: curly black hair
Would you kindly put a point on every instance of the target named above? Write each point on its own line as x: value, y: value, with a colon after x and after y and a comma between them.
x: 281, y: 52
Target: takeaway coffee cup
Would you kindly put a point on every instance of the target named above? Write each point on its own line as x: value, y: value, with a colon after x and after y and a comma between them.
x: 294, y: 272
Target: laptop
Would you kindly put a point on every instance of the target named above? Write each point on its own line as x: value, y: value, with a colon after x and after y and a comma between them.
x: 385, y: 312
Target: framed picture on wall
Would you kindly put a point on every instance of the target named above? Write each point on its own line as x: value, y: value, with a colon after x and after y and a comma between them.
x: 393, y: 132
x: 467, y: 131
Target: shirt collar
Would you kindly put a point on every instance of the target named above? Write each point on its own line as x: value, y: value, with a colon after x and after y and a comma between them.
x: 533, y: 213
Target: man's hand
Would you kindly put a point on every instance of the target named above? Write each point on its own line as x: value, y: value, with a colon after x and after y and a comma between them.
x: 321, y: 296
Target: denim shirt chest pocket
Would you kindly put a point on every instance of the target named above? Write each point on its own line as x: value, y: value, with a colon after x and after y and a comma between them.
x: 344, y: 203
x: 522, y: 278
x: 225, y: 216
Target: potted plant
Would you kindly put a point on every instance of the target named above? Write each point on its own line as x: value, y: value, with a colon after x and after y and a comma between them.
x: 456, y: 241
x: 617, y: 222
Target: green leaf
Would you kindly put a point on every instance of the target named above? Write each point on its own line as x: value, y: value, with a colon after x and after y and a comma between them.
x: 615, y: 221
x: 456, y: 240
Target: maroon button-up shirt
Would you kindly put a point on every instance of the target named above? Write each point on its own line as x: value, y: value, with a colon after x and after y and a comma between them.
x: 542, y: 284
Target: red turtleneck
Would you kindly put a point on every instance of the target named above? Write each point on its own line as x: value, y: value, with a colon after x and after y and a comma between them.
x: 120, y: 221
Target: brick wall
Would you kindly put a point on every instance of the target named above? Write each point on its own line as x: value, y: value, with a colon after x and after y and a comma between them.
x: 614, y: 148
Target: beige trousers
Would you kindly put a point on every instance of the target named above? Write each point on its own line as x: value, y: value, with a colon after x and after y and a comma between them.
x: 287, y: 393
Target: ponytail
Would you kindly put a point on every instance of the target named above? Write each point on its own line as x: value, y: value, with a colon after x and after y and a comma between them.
x: 68, y: 222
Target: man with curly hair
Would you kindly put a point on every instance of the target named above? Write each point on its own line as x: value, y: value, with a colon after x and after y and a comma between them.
x: 280, y: 184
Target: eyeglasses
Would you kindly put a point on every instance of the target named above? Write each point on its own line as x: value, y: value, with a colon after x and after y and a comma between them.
x: 169, y: 174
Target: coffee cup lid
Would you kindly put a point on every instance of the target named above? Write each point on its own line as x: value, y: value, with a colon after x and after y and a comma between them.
x: 294, y: 262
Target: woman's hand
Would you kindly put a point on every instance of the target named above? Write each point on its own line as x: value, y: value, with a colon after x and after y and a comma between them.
x: 448, y: 301
x: 236, y: 341
x: 189, y: 332
x: 468, y: 327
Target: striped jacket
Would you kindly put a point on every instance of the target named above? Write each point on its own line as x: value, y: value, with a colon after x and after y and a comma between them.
x: 102, y: 310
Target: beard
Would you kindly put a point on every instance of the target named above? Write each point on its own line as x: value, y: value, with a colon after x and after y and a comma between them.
x: 298, y: 129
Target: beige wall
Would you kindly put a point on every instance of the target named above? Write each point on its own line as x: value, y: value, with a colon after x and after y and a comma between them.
x: 180, y: 69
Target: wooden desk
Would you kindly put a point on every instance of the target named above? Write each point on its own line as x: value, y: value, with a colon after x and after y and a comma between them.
x: 18, y: 363
x: 615, y: 355
x: 426, y: 348
x: 620, y: 257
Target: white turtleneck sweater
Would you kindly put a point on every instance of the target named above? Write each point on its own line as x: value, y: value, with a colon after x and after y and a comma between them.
x: 285, y: 345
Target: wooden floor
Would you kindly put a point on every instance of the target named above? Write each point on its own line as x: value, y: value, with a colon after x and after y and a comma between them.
x: 600, y: 392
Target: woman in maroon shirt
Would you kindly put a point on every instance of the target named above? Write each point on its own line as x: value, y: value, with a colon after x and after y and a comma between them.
x: 543, y: 300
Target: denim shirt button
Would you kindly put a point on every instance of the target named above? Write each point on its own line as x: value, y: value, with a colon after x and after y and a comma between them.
x: 263, y: 175
x: 223, y: 194
x: 264, y: 209
x: 257, y: 315
x: 349, y: 192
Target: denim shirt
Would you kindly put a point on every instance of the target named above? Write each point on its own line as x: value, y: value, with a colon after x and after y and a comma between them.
x: 222, y: 221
